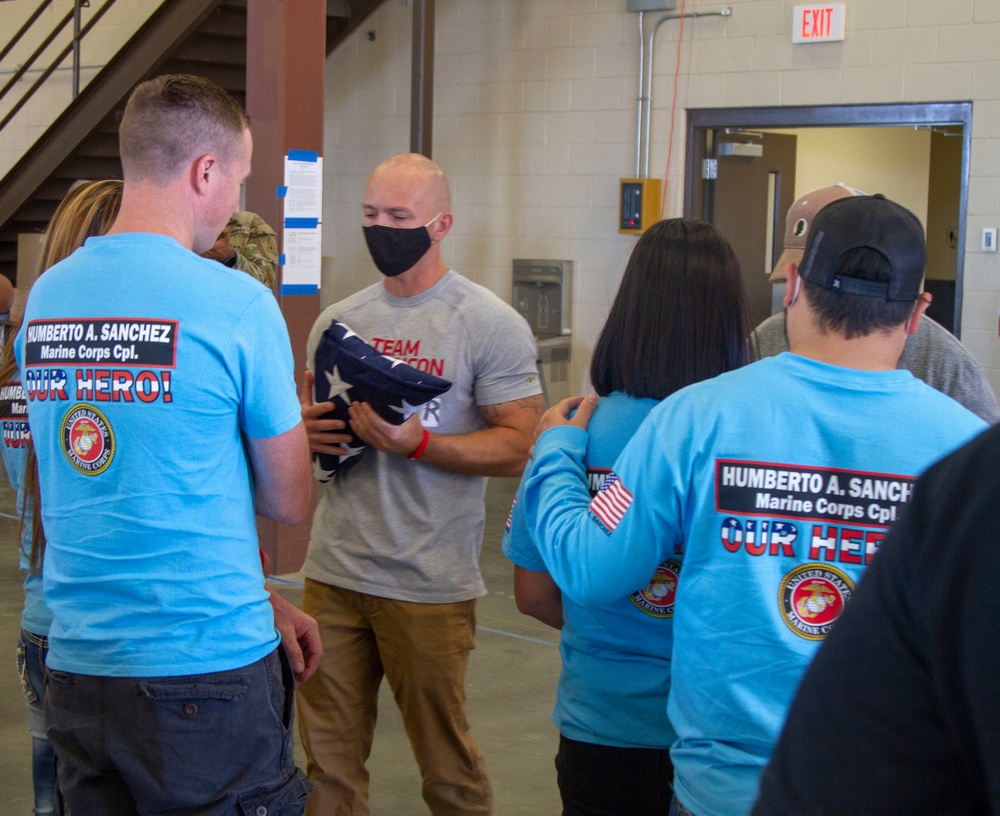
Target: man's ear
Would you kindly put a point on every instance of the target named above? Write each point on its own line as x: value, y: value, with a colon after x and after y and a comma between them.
x: 792, y: 284
x: 923, y: 301
x: 440, y: 228
x: 202, y: 170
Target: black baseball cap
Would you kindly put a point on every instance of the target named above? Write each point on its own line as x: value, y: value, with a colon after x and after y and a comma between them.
x: 866, y: 222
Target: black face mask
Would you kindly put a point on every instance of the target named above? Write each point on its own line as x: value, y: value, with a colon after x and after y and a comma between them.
x: 394, y: 250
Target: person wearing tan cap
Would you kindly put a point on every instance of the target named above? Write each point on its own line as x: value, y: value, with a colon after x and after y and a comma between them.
x: 932, y: 353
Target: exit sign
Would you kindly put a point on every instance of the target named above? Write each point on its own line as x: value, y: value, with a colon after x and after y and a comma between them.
x: 823, y: 23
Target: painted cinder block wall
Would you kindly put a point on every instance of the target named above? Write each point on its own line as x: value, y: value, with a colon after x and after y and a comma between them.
x: 535, y: 121
x: 535, y: 108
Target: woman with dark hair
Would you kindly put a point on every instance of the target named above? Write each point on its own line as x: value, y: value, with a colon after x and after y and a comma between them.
x: 680, y: 316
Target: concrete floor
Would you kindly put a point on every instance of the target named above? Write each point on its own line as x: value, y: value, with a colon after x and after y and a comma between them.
x: 511, y: 688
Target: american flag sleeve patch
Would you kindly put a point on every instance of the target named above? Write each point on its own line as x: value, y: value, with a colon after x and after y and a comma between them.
x: 611, y: 502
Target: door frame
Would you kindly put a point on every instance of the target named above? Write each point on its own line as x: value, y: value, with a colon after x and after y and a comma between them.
x: 702, y: 120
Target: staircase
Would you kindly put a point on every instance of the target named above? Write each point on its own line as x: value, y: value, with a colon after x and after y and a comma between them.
x: 203, y: 37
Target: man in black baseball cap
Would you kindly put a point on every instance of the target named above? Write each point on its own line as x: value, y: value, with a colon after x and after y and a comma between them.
x: 861, y: 276
x: 850, y: 219
x: 868, y: 223
x: 913, y: 645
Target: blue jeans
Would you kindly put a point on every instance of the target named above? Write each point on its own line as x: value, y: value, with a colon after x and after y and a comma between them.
x: 216, y: 744
x: 31, y: 651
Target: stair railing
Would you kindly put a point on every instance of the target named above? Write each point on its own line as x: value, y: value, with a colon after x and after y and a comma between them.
x: 80, y: 31
x: 23, y: 29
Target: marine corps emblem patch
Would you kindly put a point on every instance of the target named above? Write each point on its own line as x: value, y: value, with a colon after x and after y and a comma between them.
x: 657, y: 599
x: 87, y: 439
x: 812, y: 597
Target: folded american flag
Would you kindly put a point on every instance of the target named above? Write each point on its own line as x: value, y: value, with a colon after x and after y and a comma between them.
x: 347, y: 370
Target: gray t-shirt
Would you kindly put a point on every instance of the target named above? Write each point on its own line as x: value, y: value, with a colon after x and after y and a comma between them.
x: 409, y: 530
x: 932, y: 354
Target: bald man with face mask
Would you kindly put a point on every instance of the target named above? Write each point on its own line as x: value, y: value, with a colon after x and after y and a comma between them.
x: 392, y: 572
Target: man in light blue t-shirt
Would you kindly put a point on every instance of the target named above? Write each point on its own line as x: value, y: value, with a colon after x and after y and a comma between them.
x: 163, y: 412
x: 777, y: 482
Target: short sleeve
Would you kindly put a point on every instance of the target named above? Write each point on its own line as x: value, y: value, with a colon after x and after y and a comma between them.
x: 269, y: 405
x: 517, y: 544
x: 506, y: 356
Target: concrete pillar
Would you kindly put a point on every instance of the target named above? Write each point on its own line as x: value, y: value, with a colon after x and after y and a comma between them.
x: 286, y: 59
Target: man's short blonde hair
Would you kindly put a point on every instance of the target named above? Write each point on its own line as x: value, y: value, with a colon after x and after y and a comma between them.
x: 171, y: 120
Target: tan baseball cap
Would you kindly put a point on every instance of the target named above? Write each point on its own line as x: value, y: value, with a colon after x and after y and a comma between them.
x: 800, y: 218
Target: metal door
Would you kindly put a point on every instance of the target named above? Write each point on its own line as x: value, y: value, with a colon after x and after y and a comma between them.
x: 705, y: 124
x: 753, y: 188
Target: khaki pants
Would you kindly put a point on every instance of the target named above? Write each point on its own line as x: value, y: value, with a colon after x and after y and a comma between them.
x: 423, y: 651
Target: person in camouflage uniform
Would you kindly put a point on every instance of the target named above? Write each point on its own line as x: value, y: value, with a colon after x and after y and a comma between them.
x: 249, y: 245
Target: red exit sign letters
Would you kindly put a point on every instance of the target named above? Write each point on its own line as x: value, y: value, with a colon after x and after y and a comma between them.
x: 822, y: 23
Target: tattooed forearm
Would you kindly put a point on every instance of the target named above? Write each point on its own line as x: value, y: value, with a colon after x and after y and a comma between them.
x: 514, y: 413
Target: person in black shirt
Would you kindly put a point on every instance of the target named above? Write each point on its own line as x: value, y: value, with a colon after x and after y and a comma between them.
x: 899, y: 712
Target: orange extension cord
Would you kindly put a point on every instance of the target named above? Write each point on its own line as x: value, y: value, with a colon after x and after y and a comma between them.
x: 673, y: 114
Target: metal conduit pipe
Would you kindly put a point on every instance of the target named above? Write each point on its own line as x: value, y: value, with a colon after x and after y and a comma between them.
x: 648, y: 96
x: 638, y: 119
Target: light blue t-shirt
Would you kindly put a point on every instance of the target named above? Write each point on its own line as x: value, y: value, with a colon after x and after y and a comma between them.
x: 615, y: 658
x: 145, y: 369
x: 779, y: 493
x: 36, y: 617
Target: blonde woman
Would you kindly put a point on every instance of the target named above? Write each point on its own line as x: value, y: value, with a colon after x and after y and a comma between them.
x: 88, y: 209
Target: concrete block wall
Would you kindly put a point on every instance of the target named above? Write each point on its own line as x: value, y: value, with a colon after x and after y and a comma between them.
x: 535, y: 123
x: 114, y: 29
x: 535, y: 105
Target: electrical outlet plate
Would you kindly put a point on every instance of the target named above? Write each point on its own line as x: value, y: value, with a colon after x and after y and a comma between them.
x: 990, y: 239
x: 651, y: 5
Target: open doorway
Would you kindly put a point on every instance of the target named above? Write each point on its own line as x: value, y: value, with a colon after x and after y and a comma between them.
x: 745, y: 166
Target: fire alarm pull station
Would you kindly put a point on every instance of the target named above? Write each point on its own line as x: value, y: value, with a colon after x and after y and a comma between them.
x: 639, y: 206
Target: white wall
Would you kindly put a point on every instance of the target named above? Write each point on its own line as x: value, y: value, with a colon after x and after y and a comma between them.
x: 535, y: 122
x: 894, y: 161
x: 530, y: 126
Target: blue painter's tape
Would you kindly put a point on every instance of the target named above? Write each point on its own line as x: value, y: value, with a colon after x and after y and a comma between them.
x: 281, y: 259
x: 298, y: 289
x: 301, y: 223
x: 276, y: 579
x: 282, y: 192
x: 303, y: 155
